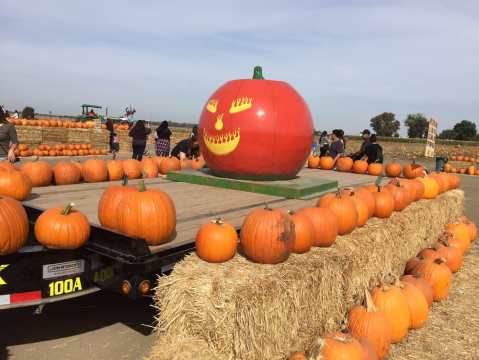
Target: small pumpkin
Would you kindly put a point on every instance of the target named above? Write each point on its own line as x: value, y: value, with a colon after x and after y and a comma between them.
x: 66, y: 173
x: 454, y: 256
x: 367, y: 197
x: 442, y: 181
x: 471, y: 228
x: 454, y: 181
x: 40, y: 173
x: 412, y: 171
x: 370, y: 323
x: 15, y: 184
x: 325, y: 225
x: 438, y: 275
x: 115, y: 170
x: 420, y: 188
x: 339, y: 346
x: 149, y: 168
x: 400, y: 196
x: 303, y: 232
x: 62, y: 228
x: 391, y: 301
x: 461, y: 232
x: 313, y: 162
x: 346, y: 213
x: 431, y: 187
x: 216, y: 241
x: 198, y: 163
x: 418, y: 281
x: 148, y: 214
x: 393, y: 169
x: 326, y: 163
x: 267, y: 235
x: 417, y: 303
x: 185, y: 163
x: 169, y: 164
x: 132, y: 168
x: 384, y: 203
x: 13, y: 225
x: 94, y: 171
x: 361, y: 207
x: 344, y: 164
x: 360, y: 167
x: 109, y: 202
x: 375, y: 169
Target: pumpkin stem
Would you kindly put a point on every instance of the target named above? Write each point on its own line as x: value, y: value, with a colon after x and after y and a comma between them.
x: 370, y: 307
x: 218, y: 221
x: 141, y: 186
x: 68, y: 209
x: 124, y: 180
x: 439, y: 261
x: 258, y: 73
x: 266, y: 206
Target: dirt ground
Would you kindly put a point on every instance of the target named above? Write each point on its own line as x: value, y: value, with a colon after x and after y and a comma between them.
x: 108, y: 326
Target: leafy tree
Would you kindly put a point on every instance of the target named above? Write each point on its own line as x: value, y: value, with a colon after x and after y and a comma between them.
x: 417, y: 125
x: 465, y: 130
x: 385, y: 124
x: 448, y: 134
x: 28, y: 113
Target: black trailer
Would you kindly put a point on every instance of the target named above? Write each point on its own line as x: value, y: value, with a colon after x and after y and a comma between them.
x: 109, y: 260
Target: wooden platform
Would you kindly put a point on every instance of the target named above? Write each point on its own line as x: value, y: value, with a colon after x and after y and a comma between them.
x: 195, y: 204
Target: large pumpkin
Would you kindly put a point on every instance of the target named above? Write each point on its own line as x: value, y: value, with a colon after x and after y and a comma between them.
x: 216, y: 241
x: 13, y: 225
x: 115, y: 170
x: 267, y: 236
x: 303, y: 232
x: 418, y: 281
x: 344, y: 164
x: 15, y: 184
x: 147, y: 214
x: 40, y: 173
x: 438, y: 275
x: 345, y: 210
x: 66, y: 173
x: 418, y: 306
x: 325, y: 225
x: 109, y: 201
x: 384, y: 203
x: 94, y: 171
x: 255, y: 128
x: 62, y: 228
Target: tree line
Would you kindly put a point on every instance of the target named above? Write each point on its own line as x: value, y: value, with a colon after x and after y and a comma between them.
x: 386, y: 124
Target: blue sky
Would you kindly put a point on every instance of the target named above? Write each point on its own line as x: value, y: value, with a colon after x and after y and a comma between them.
x: 349, y: 59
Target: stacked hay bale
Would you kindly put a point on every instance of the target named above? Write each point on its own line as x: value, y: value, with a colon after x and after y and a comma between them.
x: 29, y: 135
x: 56, y: 135
x: 243, y: 310
x: 78, y: 136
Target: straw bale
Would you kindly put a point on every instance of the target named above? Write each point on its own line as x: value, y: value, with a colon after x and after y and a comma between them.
x: 79, y: 136
x: 30, y: 135
x: 99, y: 139
x: 54, y: 135
x: 243, y: 310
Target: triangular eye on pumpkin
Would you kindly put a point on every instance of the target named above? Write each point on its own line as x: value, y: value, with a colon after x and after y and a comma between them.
x: 246, y: 126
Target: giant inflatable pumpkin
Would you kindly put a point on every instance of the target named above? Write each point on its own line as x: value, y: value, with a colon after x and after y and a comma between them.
x: 255, y: 129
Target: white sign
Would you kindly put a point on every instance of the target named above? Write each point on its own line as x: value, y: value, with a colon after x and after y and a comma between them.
x: 63, y: 269
x: 431, y: 139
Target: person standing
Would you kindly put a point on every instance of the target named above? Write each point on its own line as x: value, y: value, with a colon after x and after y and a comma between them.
x: 139, y: 132
x: 163, y: 136
x: 8, y: 139
x: 111, y: 129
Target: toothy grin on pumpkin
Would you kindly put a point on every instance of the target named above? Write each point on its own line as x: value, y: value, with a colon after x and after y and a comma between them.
x: 222, y: 144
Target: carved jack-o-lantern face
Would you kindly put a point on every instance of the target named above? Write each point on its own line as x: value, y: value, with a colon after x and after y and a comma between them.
x: 255, y: 129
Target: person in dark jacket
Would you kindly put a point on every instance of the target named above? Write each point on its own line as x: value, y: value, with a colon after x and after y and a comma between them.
x: 186, y: 148
x: 163, y: 135
x: 139, y: 132
x: 373, y: 152
x: 366, y: 134
x: 111, y: 130
x: 336, y: 148
x: 8, y: 139
x: 323, y: 143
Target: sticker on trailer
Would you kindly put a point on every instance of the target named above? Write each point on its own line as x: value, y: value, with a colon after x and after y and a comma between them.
x: 63, y: 269
x: 3, y: 267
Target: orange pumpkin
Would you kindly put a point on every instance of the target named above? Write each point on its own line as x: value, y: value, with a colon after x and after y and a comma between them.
x: 361, y: 206
x: 340, y: 346
x: 325, y: 225
x: 313, y: 162
x: 169, y: 164
x: 417, y: 303
x: 303, y: 232
x: 370, y: 323
x: 7, y: 165
x: 471, y: 170
x: 418, y: 281
x: 360, y: 166
x: 149, y: 169
x: 393, y: 169
x: 147, y: 214
x: 344, y: 164
x: 109, y: 202
x: 198, y: 163
x: 447, y: 168
x: 326, y: 163
x: 375, y: 169
x: 400, y: 196
x: 442, y: 181
x: 62, y: 228
x: 40, y: 173
x: 132, y: 168
x: 438, y: 275
x: 297, y: 355
x: 454, y: 256
x: 346, y: 213
x: 267, y: 236
x: 66, y: 173
x: 391, y: 301
x: 384, y: 203
x: 368, y: 351
x: 431, y: 187
x: 454, y: 181
x: 94, y: 171
x: 471, y: 228
x: 115, y: 170
x: 461, y: 232
x: 412, y: 171
x: 216, y: 242
x: 367, y: 197
x: 185, y: 164
x: 419, y: 186
x: 13, y: 225
x: 15, y: 184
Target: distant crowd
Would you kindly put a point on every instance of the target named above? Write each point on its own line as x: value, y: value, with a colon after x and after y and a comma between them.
x: 334, y: 145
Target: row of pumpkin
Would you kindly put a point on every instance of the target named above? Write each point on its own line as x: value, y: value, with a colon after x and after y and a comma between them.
x: 470, y: 170
x: 63, y: 124
x: 398, y: 305
x: 24, y: 150
x: 18, y: 182
x: 464, y: 158
x: 269, y: 236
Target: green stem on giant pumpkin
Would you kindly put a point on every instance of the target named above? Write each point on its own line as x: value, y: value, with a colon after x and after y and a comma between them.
x: 258, y: 73
x: 141, y: 186
x: 68, y: 209
x: 124, y: 180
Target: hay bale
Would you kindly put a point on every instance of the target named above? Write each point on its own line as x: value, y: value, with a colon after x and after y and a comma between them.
x: 79, y: 136
x: 54, y: 135
x: 30, y: 135
x: 249, y: 311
